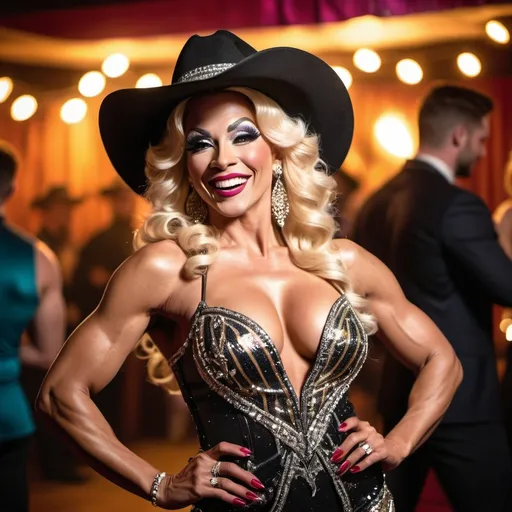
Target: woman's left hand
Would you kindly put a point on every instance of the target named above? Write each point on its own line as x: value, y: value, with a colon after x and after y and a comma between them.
x: 366, y: 447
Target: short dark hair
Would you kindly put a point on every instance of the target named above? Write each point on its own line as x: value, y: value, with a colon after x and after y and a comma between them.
x: 8, y: 168
x: 447, y: 106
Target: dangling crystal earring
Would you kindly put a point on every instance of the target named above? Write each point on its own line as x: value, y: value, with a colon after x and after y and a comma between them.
x: 195, y: 207
x: 280, y: 204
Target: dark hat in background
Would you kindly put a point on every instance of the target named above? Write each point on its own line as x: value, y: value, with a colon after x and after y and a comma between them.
x: 54, y: 195
x: 116, y: 188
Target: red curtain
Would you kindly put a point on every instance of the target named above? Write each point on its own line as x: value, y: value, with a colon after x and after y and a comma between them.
x: 153, y: 17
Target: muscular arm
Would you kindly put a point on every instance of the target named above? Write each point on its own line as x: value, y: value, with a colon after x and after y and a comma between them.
x: 47, y: 329
x: 93, y: 355
x: 415, y: 340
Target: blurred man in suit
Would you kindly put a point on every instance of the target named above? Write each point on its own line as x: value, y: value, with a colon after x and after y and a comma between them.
x: 440, y: 242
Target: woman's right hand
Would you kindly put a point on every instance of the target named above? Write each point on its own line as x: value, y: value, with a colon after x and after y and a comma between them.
x: 193, y: 482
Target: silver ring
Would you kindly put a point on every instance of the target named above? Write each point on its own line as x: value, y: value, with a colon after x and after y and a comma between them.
x: 214, y: 482
x: 366, y: 448
x: 215, y: 469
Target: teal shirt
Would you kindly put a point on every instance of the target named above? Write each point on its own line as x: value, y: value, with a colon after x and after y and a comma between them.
x: 18, y: 304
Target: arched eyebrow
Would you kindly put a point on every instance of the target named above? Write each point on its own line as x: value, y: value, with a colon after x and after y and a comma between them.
x: 201, y: 131
x: 232, y: 126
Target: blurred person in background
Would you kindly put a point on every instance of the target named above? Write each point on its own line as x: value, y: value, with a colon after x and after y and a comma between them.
x: 344, y: 213
x: 503, y: 222
x: 30, y: 301
x: 55, y: 210
x: 439, y: 241
x: 105, y: 250
x: 98, y: 259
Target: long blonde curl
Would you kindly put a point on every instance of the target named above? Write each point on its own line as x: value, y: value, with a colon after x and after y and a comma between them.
x: 309, y: 228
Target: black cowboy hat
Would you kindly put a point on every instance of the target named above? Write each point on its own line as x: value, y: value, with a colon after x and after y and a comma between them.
x: 302, y: 84
x: 57, y: 194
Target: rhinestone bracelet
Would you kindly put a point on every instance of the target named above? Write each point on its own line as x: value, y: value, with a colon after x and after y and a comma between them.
x: 154, y: 488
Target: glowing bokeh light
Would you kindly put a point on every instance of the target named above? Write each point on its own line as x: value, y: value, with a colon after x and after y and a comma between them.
x: 469, y: 64
x: 344, y: 74
x: 392, y: 134
x: 367, y: 60
x: 409, y: 71
x: 497, y: 32
x: 115, y: 65
x: 23, y: 107
x: 148, y: 80
x: 92, y: 84
x: 505, y: 323
x: 73, y: 111
x: 6, y: 86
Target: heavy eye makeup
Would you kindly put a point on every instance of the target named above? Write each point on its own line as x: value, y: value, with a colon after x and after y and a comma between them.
x: 197, y: 141
x: 244, y: 133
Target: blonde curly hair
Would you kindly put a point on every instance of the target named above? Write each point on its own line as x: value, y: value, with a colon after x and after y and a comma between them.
x: 308, y: 230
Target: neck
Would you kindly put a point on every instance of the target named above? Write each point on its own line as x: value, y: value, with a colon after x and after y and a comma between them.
x: 439, y: 154
x: 252, y: 231
x: 2, y: 210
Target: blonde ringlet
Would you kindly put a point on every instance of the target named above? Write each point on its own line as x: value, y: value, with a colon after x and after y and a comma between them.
x: 309, y: 228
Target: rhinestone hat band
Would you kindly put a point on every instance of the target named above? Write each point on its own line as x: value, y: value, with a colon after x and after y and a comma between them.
x: 204, y: 72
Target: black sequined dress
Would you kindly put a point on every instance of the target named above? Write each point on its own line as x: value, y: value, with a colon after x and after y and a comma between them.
x: 233, y: 380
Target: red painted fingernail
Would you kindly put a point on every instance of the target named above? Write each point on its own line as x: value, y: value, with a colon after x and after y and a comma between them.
x: 342, y: 427
x: 252, y: 496
x: 246, y: 451
x: 239, y: 502
x: 355, y: 469
x: 337, y: 454
x: 343, y: 467
x: 257, y: 484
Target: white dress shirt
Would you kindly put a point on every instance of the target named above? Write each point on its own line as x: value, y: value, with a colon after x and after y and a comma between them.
x: 440, y: 166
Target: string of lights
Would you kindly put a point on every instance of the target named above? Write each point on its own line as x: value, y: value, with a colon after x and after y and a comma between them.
x: 367, y: 60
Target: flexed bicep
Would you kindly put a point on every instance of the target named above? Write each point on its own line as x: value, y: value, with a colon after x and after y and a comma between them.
x: 96, y: 350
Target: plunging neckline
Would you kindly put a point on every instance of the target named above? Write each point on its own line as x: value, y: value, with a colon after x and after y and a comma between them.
x: 298, y: 396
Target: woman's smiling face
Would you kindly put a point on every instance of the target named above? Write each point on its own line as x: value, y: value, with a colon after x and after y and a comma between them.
x: 228, y: 160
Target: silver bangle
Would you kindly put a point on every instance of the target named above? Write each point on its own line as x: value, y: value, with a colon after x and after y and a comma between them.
x: 156, y: 485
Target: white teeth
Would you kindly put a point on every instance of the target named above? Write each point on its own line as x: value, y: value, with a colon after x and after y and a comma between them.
x: 230, y: 183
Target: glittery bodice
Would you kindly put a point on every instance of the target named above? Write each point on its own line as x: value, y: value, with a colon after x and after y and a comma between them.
x: 237, y: 389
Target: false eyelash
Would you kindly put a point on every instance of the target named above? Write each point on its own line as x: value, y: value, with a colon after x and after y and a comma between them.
x: 247, y: 132
x: 197, y: 143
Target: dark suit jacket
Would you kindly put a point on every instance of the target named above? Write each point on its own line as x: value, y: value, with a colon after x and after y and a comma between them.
x: 440, y: 243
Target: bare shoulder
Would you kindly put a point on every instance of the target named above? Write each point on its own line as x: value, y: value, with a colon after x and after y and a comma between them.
x: 506, y: 220
x: 48, y: 270
x: 353, y: 255
x: 160, y: 259
x: 155, y: 263
x: 151, y: 274
x: 366, y: 272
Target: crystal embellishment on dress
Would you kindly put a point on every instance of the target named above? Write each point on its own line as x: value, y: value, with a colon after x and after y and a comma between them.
x: 237, y: 361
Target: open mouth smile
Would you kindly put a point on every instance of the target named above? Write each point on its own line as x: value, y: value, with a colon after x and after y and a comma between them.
x: 229, y: 185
